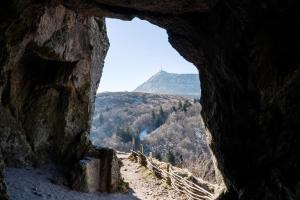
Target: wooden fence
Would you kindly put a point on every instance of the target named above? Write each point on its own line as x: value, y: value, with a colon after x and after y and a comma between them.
x: 191, y: 190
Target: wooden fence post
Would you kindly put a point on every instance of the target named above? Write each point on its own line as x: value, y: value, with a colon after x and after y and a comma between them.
x: 133, y: 144
x: 132, y: 150
x: 168, y: 179
x: 142, y: 158
x: 141, y: 149
x: 150, y: 167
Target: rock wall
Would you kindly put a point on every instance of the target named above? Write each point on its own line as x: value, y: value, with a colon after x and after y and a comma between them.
x: 247, y: 53
x: 51, y: 63
x: 49, y: 80
x: 3, y: 193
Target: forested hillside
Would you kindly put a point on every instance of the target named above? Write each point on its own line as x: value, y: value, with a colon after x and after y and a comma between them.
x: 170, y: 127
x: 119, y: 116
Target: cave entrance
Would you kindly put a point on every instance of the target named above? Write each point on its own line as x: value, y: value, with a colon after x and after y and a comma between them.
x: 150, y: 94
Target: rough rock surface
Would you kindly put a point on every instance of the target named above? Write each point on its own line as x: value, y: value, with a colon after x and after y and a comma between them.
x: 48, y: 83
x: 247, y: 53
x: 99, y: 171
x: 51, y: 63
x: 3, y: 194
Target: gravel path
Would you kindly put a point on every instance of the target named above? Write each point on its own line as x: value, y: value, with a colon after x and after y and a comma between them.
x: 144, y: 185
x: 36, y: 184
x: 41, y: 184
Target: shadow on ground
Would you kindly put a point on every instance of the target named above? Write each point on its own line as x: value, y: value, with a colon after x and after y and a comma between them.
x: 37, y: 184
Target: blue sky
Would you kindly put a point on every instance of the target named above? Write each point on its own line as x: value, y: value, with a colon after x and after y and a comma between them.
x: 138, y: 50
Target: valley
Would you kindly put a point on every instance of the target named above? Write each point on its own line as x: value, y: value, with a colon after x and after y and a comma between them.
x: 169, y: 126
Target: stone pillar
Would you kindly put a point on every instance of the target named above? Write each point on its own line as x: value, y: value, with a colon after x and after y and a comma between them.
x: 99, y: 171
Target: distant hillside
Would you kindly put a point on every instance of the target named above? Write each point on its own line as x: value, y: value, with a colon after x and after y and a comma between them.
x: 133, y: 111
x: 174, y: 84
x: 169, y: 126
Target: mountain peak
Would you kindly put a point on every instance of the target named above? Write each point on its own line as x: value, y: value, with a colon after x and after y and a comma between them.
x: 163, y: 72
x: 160, y: 72
x: 170, y: 83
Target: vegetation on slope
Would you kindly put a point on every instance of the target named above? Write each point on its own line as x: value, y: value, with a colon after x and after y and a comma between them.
x: 120, y: 116
x: 170, y: 127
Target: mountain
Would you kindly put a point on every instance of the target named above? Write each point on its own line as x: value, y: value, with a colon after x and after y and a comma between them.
x: 187, y: 85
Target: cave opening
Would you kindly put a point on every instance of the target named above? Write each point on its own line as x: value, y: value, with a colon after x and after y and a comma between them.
x: 150, y: 95
x: 247, y: 53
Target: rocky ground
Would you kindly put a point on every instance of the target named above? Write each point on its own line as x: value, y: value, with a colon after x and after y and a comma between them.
x: 41, y: 184
x: 144, y: 185
x: 46, y: 184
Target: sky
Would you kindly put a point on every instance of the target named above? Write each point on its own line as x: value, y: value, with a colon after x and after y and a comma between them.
x: 138, y: 50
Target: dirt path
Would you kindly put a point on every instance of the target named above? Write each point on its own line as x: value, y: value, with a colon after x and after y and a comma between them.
x: 37, y: 184
x: 143, y: 184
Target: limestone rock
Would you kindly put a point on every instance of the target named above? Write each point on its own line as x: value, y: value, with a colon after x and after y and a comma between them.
x: 49, y: 81
x: 99, y: 171
x: 50, y: 69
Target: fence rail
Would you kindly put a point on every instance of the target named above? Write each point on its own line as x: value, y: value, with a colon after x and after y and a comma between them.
x: 190, y: 189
